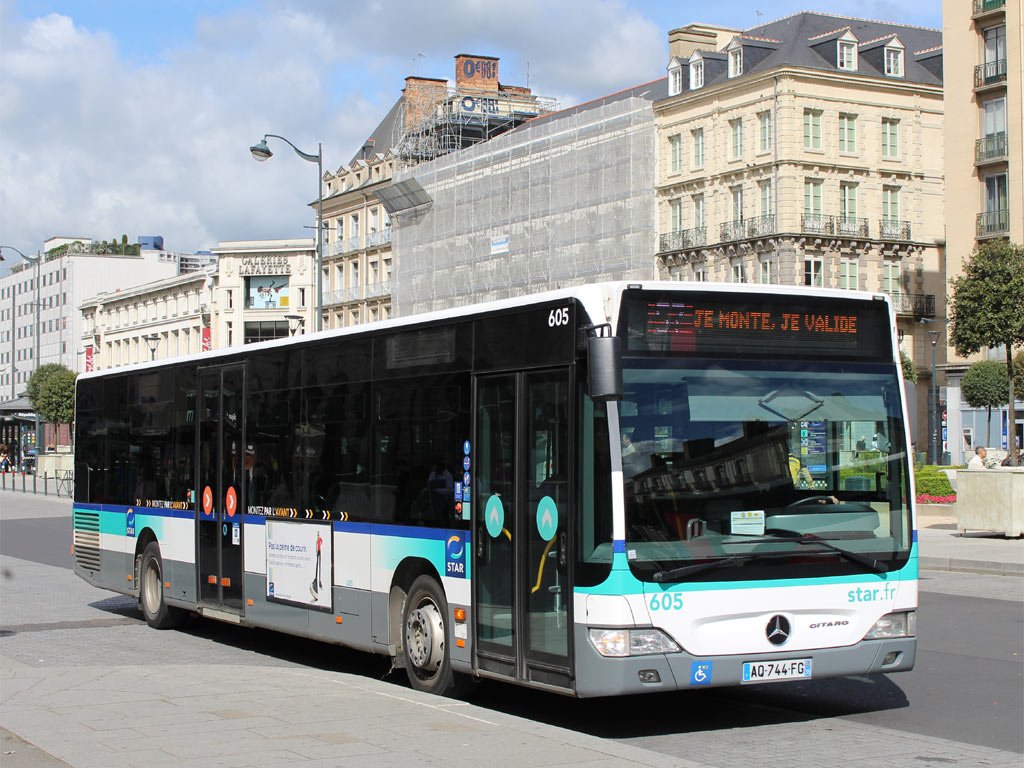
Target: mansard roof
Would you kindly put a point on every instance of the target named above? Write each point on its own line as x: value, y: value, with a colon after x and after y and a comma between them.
x: 809, y: 40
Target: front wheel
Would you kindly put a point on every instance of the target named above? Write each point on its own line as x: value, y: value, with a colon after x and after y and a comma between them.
x: 158, y: 613
x: 425, y: 640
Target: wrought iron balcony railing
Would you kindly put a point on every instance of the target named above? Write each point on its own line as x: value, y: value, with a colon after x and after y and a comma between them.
x: 761, y: 226
x: 993, y: 223
x: 991, y: 148
x: 891, y: 229
x: 990, y: 72
x: 816, y: 224
x: 851, y: 226
x: 383, y: 288
x: 986, y: 6
x: 682, y: 239
x: 334, y: 297
x: 377, y: 239
x: 733, y: 230
x: 919, y: 305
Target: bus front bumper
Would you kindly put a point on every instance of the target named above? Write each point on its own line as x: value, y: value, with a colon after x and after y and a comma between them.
x: 598, y: 675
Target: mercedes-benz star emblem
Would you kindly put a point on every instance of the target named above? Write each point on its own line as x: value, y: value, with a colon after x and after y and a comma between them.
x: 777, y: 630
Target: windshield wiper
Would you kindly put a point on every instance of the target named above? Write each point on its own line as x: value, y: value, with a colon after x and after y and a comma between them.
x: 788, y: 536
x: 721, y: 562
x: 810, y: 538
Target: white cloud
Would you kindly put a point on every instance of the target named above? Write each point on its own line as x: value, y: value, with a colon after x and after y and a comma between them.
x: 95, y: 142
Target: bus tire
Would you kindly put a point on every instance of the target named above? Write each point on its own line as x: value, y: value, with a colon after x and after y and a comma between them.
x: 425, y: 640
x: 155, y: 609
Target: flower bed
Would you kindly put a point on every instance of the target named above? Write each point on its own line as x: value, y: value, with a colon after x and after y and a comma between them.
x: 927, y: 498
x: 933, y: 486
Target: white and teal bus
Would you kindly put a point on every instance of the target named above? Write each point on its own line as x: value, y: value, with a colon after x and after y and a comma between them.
x: 602, y: 490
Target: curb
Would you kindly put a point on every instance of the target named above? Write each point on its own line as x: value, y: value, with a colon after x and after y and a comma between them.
x: 958, y: 565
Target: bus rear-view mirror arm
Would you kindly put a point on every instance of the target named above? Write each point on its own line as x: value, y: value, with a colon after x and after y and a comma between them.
x: 604, y: 362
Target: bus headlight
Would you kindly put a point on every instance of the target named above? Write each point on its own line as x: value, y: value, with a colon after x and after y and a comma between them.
x: 632, y: 642
x: 902, y: 624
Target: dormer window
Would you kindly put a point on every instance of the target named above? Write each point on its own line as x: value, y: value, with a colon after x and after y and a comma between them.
x: 675, y: 79
x: 696, y: 74
x: 893, y: 61
x: 846, y: 57
x: 736, y: 62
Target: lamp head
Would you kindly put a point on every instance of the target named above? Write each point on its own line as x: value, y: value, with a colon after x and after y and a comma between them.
x: 261, y: 151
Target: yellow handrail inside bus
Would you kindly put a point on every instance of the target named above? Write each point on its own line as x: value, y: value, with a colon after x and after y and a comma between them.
x: 540, y: 569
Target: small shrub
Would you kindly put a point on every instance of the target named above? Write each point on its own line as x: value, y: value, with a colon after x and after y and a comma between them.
x: 932, y: 483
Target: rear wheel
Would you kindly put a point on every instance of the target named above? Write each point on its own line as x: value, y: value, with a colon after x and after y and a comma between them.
x: 425, y: 641
x: 158, y: 613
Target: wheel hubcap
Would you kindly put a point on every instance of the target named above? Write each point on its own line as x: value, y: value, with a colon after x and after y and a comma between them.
x: 424, y: 637
x: 151, y: 588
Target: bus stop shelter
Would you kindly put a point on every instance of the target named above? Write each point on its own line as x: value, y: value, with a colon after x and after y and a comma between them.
x: 18, y: 432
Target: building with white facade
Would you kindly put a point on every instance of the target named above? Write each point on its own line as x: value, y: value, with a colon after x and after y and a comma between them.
x: 39, y: 318
x: 166, y: 318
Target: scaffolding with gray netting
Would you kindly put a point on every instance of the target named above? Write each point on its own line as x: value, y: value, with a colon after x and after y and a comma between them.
x: 564, y: 200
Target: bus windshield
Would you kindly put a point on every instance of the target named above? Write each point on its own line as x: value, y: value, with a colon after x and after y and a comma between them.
x: 732, y: 460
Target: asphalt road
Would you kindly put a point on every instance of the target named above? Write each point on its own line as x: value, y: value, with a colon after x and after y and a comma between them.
x: 967, y: 686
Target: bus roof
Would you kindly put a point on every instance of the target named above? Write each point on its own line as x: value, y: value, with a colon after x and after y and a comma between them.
x: 593, y: 297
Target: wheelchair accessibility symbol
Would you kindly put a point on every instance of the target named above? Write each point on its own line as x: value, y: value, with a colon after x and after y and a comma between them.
x: 700, y: 672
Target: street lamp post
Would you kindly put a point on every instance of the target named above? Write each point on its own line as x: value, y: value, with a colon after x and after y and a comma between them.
x: 262, y: 152
x: 35, y: 332
x: 933, y: 410
x: 153, y: 339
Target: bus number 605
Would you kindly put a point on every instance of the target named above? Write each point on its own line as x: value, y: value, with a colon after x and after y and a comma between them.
x: 558, y: 317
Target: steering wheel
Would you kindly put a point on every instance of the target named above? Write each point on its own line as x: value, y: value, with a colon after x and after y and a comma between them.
x: 813, y: 500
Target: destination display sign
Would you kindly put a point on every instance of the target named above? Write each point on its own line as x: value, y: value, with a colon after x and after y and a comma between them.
x: 708, y: 323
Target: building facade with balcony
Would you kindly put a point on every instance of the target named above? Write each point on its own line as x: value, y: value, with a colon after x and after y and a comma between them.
x: 357, y: 242
x: 255, y: 290
x: 984, y: 169
x: 158, y: 320
x: 808, y: 151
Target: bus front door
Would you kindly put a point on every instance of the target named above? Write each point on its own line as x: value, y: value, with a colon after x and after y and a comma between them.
x: 522, y: 505
x: 220, y: 489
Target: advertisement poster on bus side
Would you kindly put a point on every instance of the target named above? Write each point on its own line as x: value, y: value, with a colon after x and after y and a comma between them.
x: 299, y: 559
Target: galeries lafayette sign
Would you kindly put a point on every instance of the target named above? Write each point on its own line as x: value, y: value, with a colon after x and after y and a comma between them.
x: 268, y: 264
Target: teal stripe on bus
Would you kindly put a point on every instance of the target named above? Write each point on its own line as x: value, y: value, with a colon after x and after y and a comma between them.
x: 623, y: 582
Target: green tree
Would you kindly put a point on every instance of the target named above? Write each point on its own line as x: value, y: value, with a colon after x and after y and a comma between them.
x: 909, y: 369
x: 985, y: 385
x: 38, y: 378
x: 987, y: 308
x: 57, y: 398
x: 51, y: 390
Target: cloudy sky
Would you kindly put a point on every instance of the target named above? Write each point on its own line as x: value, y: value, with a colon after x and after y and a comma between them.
x: 135, y: 116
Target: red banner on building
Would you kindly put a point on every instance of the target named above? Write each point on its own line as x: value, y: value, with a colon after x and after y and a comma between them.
x: 207, y: 344
x: 88, y: 359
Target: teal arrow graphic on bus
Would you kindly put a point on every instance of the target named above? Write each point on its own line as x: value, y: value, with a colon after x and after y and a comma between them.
x: 547, y: 518
x: 494, y: 516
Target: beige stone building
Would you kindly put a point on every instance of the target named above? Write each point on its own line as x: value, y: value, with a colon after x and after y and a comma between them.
x: 984, y: 160
x: 265, y: 289
x: 257, y: 290
x: 161, y: 319
x: 808, y: 151
x: 357, y: 243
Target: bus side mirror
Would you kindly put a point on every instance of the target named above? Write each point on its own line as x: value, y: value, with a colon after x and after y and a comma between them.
x: 604, y: 365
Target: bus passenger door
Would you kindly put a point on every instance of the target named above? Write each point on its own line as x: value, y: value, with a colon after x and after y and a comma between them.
x: 220, y: 488
x: 521, y: 576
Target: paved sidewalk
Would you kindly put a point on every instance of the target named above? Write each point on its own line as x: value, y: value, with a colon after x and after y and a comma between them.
x: 84, y: 683
x: 942, y: 548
